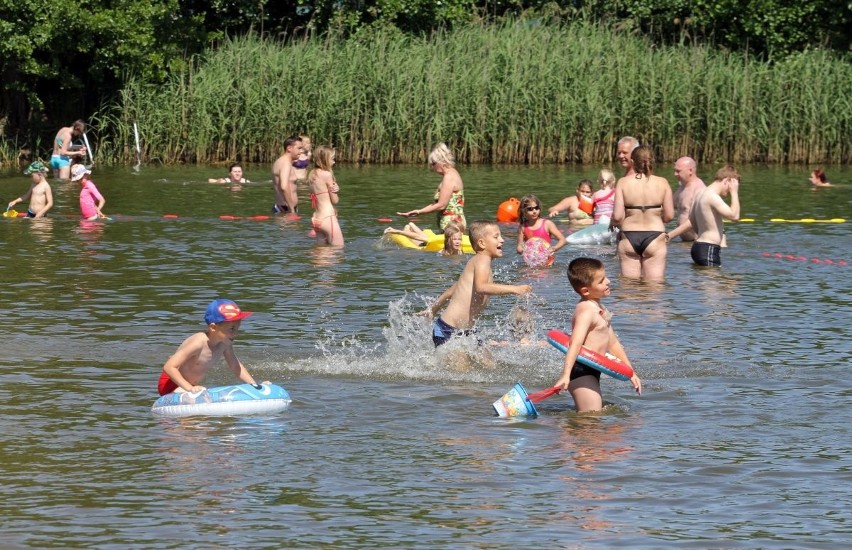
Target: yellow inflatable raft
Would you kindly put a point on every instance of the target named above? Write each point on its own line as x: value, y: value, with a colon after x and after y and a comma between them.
x: 434, y: 244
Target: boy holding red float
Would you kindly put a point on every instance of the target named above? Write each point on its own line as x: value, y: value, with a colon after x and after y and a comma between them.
x: 591, y: 329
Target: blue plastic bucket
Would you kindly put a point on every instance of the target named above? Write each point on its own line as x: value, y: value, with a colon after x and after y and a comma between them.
x: 515, y: 403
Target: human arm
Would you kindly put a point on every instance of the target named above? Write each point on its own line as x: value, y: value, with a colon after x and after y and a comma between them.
x: 333, y: 191
x: 564, y: 204
x: 237, y: 367
x: 668, y: 212
x: 618, y: 210
x: 439, y: 303
x: 445, y: 191
x: 616, y: 349
x: 521, y: 239
x: 66, y: 148
x: 23, y: 198
x: 188, y: 351
x: 582, y: 324
x: 555, y: 233
x: 483, y: 283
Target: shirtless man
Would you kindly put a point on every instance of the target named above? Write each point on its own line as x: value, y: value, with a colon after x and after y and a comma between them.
x: 707, y: 214
x: 689, y: 185
x: 39, y: 195
x: 284, y: 178
x: 623, y: 151
x: 64, y: 149
x: 235, y: 177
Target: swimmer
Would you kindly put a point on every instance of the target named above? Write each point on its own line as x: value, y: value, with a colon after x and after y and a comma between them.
x: 532, y: 225
x: 579, y: 205
x: 235, y: 177
x: 64, y: 150
x: 819, y: 179
x: 300, y: 165
x: 453, y: 237
x: 324, y: 196
x: 604, y: 197
x: 448, y: 203
x: 284, y: 178
x: 88, y: 194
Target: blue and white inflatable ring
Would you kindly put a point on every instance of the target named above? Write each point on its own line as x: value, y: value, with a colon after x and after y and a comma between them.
x: 240, y: 399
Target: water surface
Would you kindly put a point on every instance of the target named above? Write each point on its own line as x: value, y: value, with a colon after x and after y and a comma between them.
x: 741, y: 438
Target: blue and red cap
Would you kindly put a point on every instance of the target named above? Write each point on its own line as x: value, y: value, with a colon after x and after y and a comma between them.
x: 220, y: 311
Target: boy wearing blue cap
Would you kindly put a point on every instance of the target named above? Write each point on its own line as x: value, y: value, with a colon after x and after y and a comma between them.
x: 186, y: 369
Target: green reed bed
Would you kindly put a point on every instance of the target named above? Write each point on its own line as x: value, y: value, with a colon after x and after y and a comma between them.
x: 505, y: 94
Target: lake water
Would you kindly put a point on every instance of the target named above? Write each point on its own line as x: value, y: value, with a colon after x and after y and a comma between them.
x: 741, y: 438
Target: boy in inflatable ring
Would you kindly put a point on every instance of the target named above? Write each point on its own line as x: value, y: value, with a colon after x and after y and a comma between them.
x: 186, y: 369
x: 590, y: 328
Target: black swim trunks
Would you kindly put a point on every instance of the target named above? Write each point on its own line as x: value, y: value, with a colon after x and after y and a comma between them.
x: 706, y: 254
x: 582, y: 370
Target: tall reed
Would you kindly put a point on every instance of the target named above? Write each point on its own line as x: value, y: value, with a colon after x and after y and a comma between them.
x: 511, y: 93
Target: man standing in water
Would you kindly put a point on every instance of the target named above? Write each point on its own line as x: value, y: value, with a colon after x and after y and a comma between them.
x: 284, y: 178
x: 623, y: 152
x: 689, y: 185
x: 708, y: 211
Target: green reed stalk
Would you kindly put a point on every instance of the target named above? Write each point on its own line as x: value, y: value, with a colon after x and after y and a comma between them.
x: 511, y: 93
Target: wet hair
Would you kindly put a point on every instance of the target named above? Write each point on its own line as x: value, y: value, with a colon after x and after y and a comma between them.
x: 441, y: 154
x: 78, y: 126
x: 291, y: 140
x: 452, y: 228
x: 643, y: 160
x: 521, y: 323
x: 527, y: 200
x: 727, y: 171
x: 235, y: 165
x: 478, y: 229
x: 581, y: 272
x: 585, y: 182
x: 820, y: 175
x: 606, y: 176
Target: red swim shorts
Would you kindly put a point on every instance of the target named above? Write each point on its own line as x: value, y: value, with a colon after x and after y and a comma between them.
x: 166, y: 384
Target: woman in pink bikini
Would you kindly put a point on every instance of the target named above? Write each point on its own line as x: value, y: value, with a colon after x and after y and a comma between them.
x: 324, y: 190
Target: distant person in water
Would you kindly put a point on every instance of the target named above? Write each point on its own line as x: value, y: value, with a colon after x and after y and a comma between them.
x: 324, y: 197
x: 578, y: 206
x: 300, y: 165
x: 819, y: 179
x: 284, y: 178
x: 65, y: 150
x: 235, y: 177
x: 91, y: 200
x: 39, y: 196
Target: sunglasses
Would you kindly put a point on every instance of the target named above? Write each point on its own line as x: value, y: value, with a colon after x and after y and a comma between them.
x: 532, y: 208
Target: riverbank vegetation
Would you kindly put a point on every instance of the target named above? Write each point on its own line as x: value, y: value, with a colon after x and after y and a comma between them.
x: 493, y: 71
x: 512, y: 93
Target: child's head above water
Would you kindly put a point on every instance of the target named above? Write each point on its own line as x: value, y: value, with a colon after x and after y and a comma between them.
x: 584, y: 188
x: 530, y: 205
x: 582, y: 271
x: 453, y: 233
x: 606, y: 179
x: 222, y: 310
x: 479, y: 232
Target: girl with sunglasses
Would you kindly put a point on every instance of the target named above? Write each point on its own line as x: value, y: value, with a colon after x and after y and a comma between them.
x: 531, y: 225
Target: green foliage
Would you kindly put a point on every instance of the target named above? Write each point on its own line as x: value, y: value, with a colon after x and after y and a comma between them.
x: 773, y: 28
x: 511, y: 93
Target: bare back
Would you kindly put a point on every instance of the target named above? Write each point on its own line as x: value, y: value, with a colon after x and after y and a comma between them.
x: 284, y: 181
x: 643, y: 204
x: 706, y: 217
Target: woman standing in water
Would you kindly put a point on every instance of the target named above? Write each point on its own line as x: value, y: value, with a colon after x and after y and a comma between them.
x: 449, y: 198
x: 643, y: 204
x: 324, y: 191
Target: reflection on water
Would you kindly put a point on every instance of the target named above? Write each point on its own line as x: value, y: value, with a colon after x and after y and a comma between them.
x: 388, y: 440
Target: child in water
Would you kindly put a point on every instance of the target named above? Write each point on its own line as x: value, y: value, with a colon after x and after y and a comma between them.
x: 604, y: 198
x: 532, y: 225
x: 39, y: 195
x: 88, y: 194
x: 469, y: 295
x: 590, y: 328
x: 187, y: 368
x: 579, y: 206
x: 453, y: 237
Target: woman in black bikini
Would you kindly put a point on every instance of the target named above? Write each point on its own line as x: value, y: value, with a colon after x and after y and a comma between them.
x: 643, y: 204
